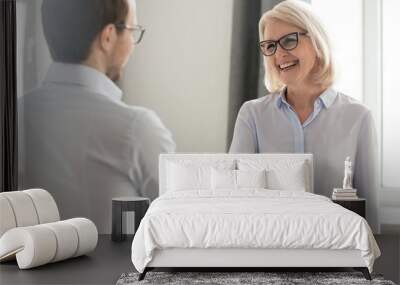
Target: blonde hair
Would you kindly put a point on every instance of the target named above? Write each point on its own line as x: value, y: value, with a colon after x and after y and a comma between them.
x: 300, y: 14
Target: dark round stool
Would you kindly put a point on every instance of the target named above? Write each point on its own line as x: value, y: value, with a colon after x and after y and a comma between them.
x: 139, y: 205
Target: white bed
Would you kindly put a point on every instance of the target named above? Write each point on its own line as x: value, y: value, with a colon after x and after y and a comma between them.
x: 201, y: 220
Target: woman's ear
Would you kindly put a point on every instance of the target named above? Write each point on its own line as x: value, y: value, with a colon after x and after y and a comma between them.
x: 107, y: 38
x: 317, y: 65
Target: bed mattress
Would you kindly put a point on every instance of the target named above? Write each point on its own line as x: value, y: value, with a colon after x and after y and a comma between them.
x: 250, y: 219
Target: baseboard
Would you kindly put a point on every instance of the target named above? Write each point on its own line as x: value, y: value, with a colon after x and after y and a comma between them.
x: 390, y: 229
x: 389, y: 215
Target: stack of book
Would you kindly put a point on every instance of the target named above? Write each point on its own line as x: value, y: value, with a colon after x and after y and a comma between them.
x: 344, y: 194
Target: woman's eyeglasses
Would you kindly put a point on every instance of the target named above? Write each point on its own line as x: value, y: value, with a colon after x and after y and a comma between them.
x: 287, y: 42
x: 137, y: 31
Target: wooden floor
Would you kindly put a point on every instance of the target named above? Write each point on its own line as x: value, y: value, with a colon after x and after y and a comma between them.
x: 110, y: 260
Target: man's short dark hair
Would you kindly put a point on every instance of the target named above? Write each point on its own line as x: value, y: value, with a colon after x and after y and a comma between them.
x: 70, y: 26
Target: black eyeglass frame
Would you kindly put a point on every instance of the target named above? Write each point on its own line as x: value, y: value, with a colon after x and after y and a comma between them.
x: 278, y: 41
x: 123, y: 26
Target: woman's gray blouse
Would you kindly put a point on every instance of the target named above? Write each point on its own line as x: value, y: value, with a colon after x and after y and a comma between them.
x: 339, y: 126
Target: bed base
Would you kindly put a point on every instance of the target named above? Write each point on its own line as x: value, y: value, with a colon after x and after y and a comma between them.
x: 241, y: 259
x: 363, y: 270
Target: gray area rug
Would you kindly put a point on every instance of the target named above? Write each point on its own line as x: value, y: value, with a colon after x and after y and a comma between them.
x: 229, y: 278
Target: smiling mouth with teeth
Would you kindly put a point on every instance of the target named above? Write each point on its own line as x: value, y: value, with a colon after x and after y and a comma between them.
x: 288, y: 65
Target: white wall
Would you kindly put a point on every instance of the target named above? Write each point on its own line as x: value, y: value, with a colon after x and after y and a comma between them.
x: 181, y: 69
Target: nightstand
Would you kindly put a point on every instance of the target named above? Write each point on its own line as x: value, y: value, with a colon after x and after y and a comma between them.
x: 356, y: 205
x: 139, y: 205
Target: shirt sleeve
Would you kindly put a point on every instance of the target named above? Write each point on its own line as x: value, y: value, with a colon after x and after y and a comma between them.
x: 244, y: 136
x: 366, y: 170
x: 152, y: 138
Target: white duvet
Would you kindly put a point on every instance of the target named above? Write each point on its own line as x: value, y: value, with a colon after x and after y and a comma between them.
x: 251, y: 218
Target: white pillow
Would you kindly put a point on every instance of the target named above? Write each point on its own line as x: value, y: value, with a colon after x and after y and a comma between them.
x: 282, y: 174
x: 237, y: 179
x: 223, y: 179
x: 251, y: 179
x: 181, y: 178
x: 188, y: 175
x: 287, y: 179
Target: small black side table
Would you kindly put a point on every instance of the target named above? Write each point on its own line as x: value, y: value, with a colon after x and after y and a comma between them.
x: 356, y: 205
x: 139, y: 205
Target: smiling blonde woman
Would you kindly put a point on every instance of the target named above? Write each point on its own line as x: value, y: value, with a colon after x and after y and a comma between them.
x: 303, y: 113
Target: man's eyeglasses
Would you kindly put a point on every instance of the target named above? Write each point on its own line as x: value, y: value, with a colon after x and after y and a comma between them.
x: 137, y: 31
x: 287, y: 42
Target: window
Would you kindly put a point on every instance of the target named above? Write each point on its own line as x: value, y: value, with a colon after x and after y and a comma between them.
x: 391, y: 94
x: 365, y: 45
x: 345, y: 32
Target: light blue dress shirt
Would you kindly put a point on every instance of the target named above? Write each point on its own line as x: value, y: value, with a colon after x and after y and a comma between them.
x: 339, y: 126
x: 83, y: 144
